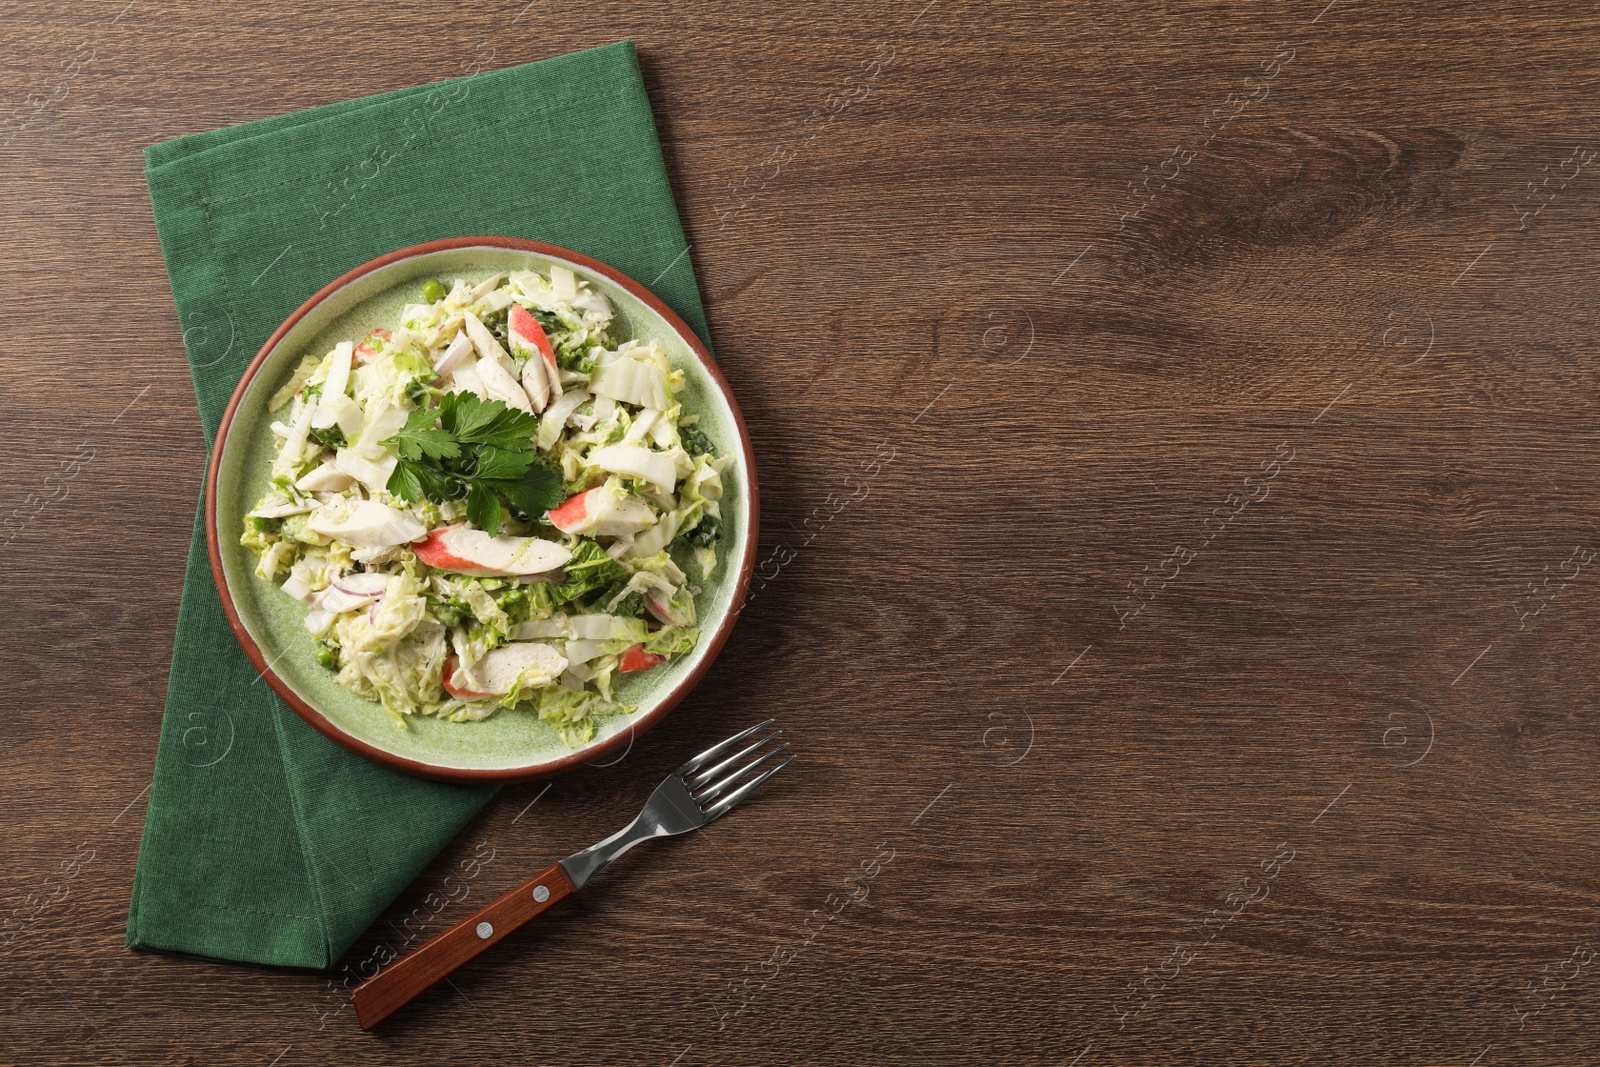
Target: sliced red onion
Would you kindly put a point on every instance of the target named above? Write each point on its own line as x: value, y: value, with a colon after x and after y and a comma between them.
x: 336, y: 601
x: 364, y: 584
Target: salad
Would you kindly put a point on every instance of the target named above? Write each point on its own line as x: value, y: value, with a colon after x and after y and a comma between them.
x: 491, y: 505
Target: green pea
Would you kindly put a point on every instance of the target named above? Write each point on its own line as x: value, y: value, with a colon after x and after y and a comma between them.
x: 327, y: 657
x: 433, y: 290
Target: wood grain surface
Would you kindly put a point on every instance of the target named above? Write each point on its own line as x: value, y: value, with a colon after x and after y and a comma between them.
x: 1176, y: 426
x: 433, y: 960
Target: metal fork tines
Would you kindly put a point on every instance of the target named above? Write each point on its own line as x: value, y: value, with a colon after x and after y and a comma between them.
x: 702, y: 790
x: 708, y: 784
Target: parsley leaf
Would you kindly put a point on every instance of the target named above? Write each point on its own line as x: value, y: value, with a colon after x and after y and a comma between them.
x: 513, y: 429
x: 498, y: 463
x: 478, y: 449
x: 418, y: 438
x: 534, y: 493
x: 487, y: 422
x: 483, y: 508
x: 415, y: 481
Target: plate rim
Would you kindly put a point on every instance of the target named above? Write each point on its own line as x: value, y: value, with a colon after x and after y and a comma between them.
x: 331, y: 730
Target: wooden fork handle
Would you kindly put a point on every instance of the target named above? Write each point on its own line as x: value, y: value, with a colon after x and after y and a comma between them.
x: 410, y: 976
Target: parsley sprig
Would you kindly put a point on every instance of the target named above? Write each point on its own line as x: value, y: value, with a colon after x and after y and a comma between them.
x: 478, y: 449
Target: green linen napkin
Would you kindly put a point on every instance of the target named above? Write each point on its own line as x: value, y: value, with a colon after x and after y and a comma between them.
x: 264, y: 842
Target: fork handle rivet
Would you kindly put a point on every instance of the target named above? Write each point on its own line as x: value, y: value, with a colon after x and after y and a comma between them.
x: 541, y: 893
x: 485, y: 931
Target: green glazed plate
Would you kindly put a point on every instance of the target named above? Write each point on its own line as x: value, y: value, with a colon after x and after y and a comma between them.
x: 512, y: 744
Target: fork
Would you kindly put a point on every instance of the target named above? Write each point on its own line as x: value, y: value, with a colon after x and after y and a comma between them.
x: 692, y: 796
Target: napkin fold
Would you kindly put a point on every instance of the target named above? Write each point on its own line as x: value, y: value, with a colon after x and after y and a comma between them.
x: 264, y: 842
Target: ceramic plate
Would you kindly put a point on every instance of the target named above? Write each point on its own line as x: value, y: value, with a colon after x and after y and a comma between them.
x: 513, y: 744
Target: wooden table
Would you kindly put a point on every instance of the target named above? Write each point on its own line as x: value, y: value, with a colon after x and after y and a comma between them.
x: 1177, y: 434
